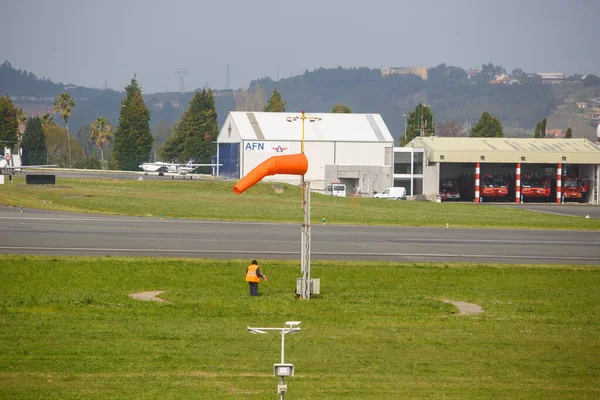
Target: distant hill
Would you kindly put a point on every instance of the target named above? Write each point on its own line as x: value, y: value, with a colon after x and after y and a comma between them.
x: 36, y: 96
x: 449, y: 90
x: 453, y: 94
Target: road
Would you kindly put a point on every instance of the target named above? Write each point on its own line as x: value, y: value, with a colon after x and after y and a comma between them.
x: 53, y: 233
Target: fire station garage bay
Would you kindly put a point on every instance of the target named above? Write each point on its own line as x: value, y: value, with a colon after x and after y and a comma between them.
x: 501, y: 169
x: 353, y: 149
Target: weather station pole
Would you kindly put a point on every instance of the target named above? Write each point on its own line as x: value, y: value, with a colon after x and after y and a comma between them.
x: 305, y: 285
x: 282, y: 369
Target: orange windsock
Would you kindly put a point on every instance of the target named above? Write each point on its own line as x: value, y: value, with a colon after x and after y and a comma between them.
x: 294, y: 164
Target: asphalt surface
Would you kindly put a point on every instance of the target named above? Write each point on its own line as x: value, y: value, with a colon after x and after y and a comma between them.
x: 568, y: 209
x: 53, y: 233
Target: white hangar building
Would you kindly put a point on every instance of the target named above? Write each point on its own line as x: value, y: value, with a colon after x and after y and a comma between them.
x: 354, y: 149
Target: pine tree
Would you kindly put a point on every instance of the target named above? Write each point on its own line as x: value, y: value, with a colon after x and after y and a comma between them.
x: 569, y: 133
x: 276, y: 103
x: 34, y: 143
x: 9, y: 124
x: 488, y: 126
x: 133, y: 140
x: 536, y: 134
x: 194, y: 134
x: 543, y: 128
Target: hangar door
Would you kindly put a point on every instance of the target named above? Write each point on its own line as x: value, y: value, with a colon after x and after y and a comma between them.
x: 229, y: 156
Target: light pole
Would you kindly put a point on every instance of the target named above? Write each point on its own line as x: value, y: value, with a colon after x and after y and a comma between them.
x: 282, y: 369
x: 305, y: 288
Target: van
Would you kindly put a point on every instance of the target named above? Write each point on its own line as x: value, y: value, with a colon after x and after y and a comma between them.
x: 392, y: 193
x: 336, y: 189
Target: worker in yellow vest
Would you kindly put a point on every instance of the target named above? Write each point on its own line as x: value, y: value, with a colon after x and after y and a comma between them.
x: 253, y: 277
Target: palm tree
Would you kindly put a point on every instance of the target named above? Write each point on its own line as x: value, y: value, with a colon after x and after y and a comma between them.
x: 100, y: 132
x: 47, y: 120
x: 64, y: 104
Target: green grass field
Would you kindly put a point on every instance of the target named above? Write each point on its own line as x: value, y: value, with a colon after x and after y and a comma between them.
x: 68, y: 330
x: 265, y: 202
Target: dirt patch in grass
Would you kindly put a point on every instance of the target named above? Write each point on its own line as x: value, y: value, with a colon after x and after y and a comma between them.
x: 148, y: 296
x: 465, y: 308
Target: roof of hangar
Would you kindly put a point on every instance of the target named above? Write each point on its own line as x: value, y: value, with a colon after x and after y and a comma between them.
x: 329, y: 127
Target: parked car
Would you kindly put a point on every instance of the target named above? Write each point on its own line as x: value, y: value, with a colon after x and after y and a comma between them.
x: 392, y: 193
x: 336, y: 189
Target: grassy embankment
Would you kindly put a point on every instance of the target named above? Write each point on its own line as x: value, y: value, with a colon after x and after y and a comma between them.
x: 265, y: 202
x: 68, y: 330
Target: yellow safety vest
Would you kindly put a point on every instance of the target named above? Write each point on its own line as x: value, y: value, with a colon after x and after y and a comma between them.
x: 251, y: 275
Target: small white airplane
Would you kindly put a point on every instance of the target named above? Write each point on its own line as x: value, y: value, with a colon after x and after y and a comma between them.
x: 5, y: 166
x: 174, y: 168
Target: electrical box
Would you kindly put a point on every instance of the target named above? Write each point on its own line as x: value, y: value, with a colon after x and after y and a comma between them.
x: 283, y: 369
x: 315, y: 286
x: 281, y: 389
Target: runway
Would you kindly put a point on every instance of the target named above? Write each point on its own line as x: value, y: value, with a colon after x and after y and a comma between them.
x: 53, y: 233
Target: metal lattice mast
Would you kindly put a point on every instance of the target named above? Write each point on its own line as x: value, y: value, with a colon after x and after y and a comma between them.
x: 182, y: 75
x: 306, y: 240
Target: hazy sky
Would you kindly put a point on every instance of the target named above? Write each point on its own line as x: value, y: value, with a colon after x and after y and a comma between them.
x: 89, y: 42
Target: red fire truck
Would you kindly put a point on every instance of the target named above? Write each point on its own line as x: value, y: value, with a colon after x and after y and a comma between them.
x: 574, y: 188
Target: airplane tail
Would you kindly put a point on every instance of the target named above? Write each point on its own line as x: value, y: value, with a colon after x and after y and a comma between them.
x: 294, y: 164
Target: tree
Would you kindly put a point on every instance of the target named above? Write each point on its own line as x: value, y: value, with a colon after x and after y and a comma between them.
x: 341, y: 109
x: 64, y: 105
x: 83, y: 137
x: 449, y: 129
x: 101, y: 134
x: 161, y: 133
x: 591, y: 80
x: 276, y: 103
x: 196, y: 131
x: 540, y: 130
x: 133, y: 140
x: 253, y: 99
x: 569, y: 133
x: 56, y: 145
x: 420, y: 122
x: 22, y: 120
x: 47, y: 120
x: 536, y: 133
x: 488, y: 126
x: 9, y: 123
x: 543, y: 128
x: 34, y: 143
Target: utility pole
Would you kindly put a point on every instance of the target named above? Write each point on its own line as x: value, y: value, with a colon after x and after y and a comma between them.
x: 182, y: 75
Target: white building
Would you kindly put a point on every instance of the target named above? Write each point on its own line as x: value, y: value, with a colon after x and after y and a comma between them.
x: 354, y: 149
